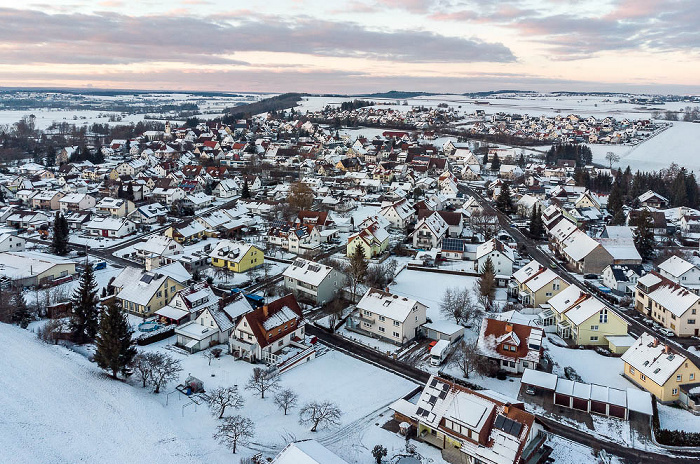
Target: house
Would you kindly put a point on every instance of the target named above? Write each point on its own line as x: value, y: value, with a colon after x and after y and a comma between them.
x: 502, y: 258
x: 681, y: 272
x: 582, y: 319
x: 192, y: 232
x: 157, y: 247
x: 514, y: 347
x: 227, y: 188
x: 47, y: 199
x: 658, y: 368
x: 149, y: 214
x: 168, y: 196
x: 236, y: 256
x: 316, y: 282
x: 372, y: 238
x: 262, y: 333
x: 535, y: 284
x: 471, y: 426
x: 74, y: 202
x: 212, y: 327
x: 27, y: 219
x: 399, y: 213
x: 29, y: 268
x: 585, y: 254
x: 109, y: 227
x: 388, y: 317
x: 11, y: 242
x: 317, y: 219
x: 443, y: 330
x: 195, y: 298
x: 115, y: 207
x: 429, y: 232
x: 307, y: 452
x: 453, y: 219
x: 652, y: 199
x: 669, y: 304
x: 622, y: 278
x: 143, y: 293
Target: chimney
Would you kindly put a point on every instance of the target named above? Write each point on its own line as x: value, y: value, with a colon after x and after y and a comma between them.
x: 667, y: 349
x: 655, y: 343
x: 509, y: 327
x: 506, y: 408
x: 265, y: 311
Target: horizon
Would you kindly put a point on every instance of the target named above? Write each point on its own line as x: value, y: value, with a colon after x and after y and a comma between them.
x: 353, y: 47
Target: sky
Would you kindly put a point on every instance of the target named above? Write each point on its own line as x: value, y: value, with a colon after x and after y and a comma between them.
x: 354, y: 46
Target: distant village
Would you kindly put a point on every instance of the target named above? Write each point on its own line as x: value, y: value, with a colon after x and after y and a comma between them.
x: 483, y: 272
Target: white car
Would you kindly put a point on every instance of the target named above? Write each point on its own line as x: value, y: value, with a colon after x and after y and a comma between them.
x: 666, y: 332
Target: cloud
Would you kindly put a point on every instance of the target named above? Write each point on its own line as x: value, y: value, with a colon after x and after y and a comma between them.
x: 111, y: 36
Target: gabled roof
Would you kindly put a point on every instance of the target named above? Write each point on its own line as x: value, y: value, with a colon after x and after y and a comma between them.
x: 653, y: 359
x: 387, y: 304
x: 278, y: 312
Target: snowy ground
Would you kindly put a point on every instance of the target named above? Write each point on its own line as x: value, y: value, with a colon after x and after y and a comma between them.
x: 63, y: 292
x: 57, y: 413
x: 675, y: 418
x: 569, y: 452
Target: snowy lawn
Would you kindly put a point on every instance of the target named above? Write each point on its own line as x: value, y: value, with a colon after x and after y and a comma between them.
x: 63, y: 292
x: 675, y: 418
x: 56, y: 405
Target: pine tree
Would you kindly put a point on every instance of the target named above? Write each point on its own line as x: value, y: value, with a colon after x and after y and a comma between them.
x: 114, y: 351
x: 495, y: 163
x: 21, y: 314
x: 59, y: 243
x: 84, y: 317
x: 121, y: 193
x: 504, y: 202
x: 487, y: 282
x: 130, y: 192
x: 536, y: 225
x: 245, y: 193
x: 615, y: 201
x: 644, y: 235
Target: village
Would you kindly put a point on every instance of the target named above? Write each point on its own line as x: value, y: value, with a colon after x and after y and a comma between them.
x: 419, y: 295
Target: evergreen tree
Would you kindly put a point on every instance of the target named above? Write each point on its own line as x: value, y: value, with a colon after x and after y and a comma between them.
x: 692, y: 190
x: 487, y: 283
x: 495, y: 162
x: 130, y: 192
x: 50, y: 157
x: 245, y: 193
x: 59, y: 243
x: 485, y: 161
x: 114, y: 351
x: 84, y: 316
x: 618, y: 219
x: 536, y: 226
x: 121, y: 193
x: 21, y: 314
x: 615, y: 201
x: 521, y: 161
x: 644, y: 235
x: 504, y: 202
x: 679, y: 191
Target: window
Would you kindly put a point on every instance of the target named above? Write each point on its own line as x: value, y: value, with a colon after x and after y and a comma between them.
x: 603, y: 316
x: 678, y: 378
x: 594, y: 327
x: 526, y: 364
x: 159, y: 294
x: 397, y: 335
x: 381, y: 329
x: 172, y: 289
x: 674, y: 392
x: 642, y: 376
x: 632, y: 370
x: 692, y: 311
x: 555, y: 286
x: 382, y: 318
x: 594, y: 338
x: 280, y: 343
x: 366, y: 324
x: 692, y: 376
x: 368, y: 313
x: 397, y: 323
x: 548, y: 294
x: 691, y: 321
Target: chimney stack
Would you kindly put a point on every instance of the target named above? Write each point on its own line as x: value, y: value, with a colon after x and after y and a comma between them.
x: 265, y: 311
x: 509, y: 327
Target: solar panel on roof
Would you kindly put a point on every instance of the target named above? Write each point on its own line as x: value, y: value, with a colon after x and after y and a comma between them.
x: 147, y: 278
x: 507, y: 425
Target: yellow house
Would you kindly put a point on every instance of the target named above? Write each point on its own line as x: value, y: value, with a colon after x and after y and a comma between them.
x: 236, y: 256
x: 192, y: 232
x: 535, y: 284
x: 658, y: 369
x: 373, y: 239
x: 583, y: 319
x: 148, y: 294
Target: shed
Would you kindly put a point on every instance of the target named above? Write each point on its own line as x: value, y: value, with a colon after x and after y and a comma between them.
x: 618, y: 344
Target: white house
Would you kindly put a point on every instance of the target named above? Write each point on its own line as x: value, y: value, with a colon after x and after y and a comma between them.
x: 622, y: 278
x: 681, y: 272
x: 110, y: 227
x: 212, y: 327
x: 387, y: 316
x: 10, y: 242
x: 502, y: 257
x: 399, y: 214
x: 77, y: 202
x: 429, y: 231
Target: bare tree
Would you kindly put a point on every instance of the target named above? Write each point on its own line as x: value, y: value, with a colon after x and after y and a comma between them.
x: 484, y: 223
x: 356, y: 270
x: 335, y: 312
x: 262, y: 380
x: 52, y: 330
x: 222, y: 398
x: 323, y: 414
x: 611, y: 158
x: 286, y: 399
x: 142, y: 367
x: 468, y: 359
x: 235, y: 430
x: 164, y: 369
x: 457, y: 304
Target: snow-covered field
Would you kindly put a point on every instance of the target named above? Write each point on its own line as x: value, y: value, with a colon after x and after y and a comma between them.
x: 57, y: 405
x: 674, y: 418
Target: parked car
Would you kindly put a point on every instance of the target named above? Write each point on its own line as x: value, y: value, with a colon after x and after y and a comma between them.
x: 666, y: 332
x: 590, y: 276
x: 530, y: 390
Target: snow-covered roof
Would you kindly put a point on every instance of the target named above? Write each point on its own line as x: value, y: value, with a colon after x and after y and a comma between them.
x: 159, y: 245
x: 494, y: 245
x: 283, y: 316
x: 578, y: 245
x: 230, y: 250
x: 676, y: 266
x: 307, y: 452
x: 621, y: 248
x: 141, y: 291
x: 653, y: 359
x: 534, y: 275
x: 307, y: 271
x: 23, y: 264
x: 444, y: 327
x: 171, y: 312
x: 388, y: 305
